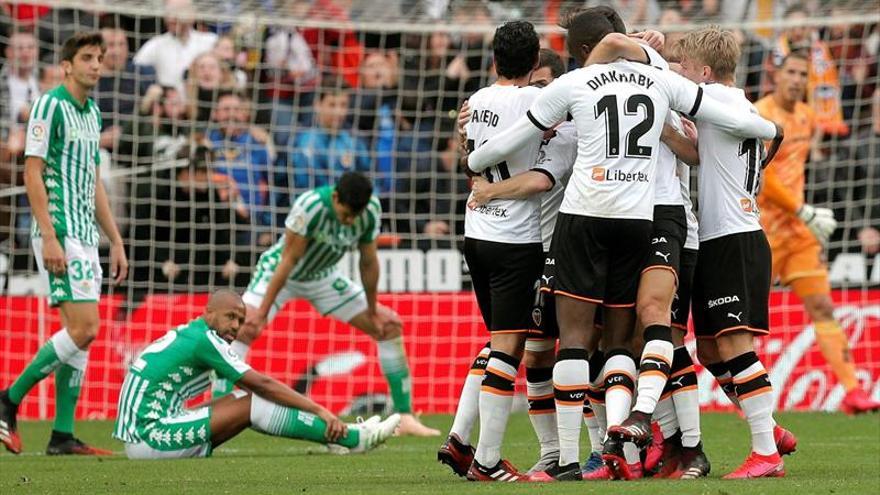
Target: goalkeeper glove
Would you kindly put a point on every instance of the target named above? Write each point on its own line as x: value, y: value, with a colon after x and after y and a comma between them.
x: 820, y: 221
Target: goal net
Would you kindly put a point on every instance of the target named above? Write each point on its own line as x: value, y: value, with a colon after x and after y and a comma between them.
x: 244, y: 86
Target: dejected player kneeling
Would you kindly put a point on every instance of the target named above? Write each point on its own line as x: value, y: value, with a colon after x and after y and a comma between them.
x: 154, y: 424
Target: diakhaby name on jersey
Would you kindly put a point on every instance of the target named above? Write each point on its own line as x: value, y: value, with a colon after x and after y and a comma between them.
x: 612, y: 76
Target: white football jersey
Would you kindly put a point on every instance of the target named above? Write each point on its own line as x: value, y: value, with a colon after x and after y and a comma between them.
x: 667, y: 190
x: 618, y: 110
x: 515, y: 221
x: 557, y: 156
x: 729, y: 175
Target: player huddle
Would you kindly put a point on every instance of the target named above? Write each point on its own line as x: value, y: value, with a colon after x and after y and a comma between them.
x: 627, y: 260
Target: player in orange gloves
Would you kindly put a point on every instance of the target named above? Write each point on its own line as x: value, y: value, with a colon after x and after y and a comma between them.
x: 797, y: 231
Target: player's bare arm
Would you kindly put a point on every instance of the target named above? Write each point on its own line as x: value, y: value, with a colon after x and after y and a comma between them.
x: 520, y: 186
x: 272, y: 390
x: 294, y: 248
x: 615, y: 46
x: 104, y: 216
x: 369, y: 268
x: 684, y: 147
x: 53, y: 253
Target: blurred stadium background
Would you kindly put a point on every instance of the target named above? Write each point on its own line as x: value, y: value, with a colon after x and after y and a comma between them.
x: 244, y: 86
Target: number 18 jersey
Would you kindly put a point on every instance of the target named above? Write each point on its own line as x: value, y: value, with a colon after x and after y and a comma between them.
x: 729, y: 175
x: 514, y: 221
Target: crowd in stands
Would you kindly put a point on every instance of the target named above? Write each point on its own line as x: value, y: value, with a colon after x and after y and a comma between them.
x: 220, y: 125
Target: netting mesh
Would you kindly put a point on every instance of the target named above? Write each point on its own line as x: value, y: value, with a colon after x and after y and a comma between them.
x: 247, y: 79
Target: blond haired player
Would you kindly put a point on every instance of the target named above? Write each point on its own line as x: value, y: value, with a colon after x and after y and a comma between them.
x: 797, y: 230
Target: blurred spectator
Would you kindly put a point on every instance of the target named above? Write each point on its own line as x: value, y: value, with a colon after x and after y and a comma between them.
x: 431, y: 193
x: 750, y: 68
x: 633, y: 12
x: 242, y: 156
x: 18, y: 80
x: 376, y: 115
x: 207, y: 78
x: 865, y: 202
x: 122, y: 82
x: 856, y: 63
x: 338, y: 51
x: 473, y: 60
x: 671, y: 17
x: 231, y: 59
x: 320, y: 154
x: 201, y: 207
x: 823, y: 87
x: 172, y: 52
x: 430, y: 82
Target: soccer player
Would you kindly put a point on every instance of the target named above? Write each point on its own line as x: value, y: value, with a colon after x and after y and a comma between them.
x: 502, y: 244
x: 602, y: 234
x: 797, y: 231
x: 68, y: 202
x: 323, y: 224
x: 556, y: 155
x: 153, y: 424
x: 732, y: 277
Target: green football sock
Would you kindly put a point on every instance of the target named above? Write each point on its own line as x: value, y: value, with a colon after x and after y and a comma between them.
x: 68, y: 381
x: 392, y: 359
x: 280, y: 421
x: 54, y: 352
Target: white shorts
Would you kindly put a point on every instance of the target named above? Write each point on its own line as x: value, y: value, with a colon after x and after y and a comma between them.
x: 335, y: 295
x: 142, y: 451
x: 82, y: 280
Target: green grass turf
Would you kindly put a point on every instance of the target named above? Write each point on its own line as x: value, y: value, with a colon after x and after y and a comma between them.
x: 836, y: 455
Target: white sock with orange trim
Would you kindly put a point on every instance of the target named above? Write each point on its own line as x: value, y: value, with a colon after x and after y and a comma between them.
x: 654, y: 367
x: 469, y: 402
x: 496, y: 397
x: 571, y: 377
x: 755, y: 396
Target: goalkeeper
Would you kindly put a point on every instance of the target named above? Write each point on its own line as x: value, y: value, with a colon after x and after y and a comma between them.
x: 153, y: 424
x: 324, y: 224
x: 797, y: 231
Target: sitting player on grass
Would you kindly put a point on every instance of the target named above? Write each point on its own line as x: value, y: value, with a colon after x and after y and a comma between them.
x: 154, y: 424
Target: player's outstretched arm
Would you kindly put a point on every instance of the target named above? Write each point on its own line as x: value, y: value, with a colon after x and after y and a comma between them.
x: 615, y: 46
x: 104, y: 216
x: 520, y: 186
x: 294, y: 248
x: 274, y: 391
x: 502, y: 145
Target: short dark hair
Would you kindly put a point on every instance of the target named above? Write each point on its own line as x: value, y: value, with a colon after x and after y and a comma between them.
x: 798, y: 54
x: 550, y: 59
x: 200, y: 157
x: 79, y: 40
x: 332, y: 85
x: 223, y: 93
x: 587, y: 27
x: 354, y: 190
x: 516, y: 48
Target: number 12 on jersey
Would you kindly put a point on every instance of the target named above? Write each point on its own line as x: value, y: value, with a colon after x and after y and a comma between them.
x: 607, y: 106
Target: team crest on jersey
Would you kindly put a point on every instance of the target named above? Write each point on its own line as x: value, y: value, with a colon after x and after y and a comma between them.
x: 38, y: 132
x: 537, y: 316
x: 599, y: 174
x: 747, y: 205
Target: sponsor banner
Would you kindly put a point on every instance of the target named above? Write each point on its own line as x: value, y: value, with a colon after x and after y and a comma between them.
x: 338, y: 367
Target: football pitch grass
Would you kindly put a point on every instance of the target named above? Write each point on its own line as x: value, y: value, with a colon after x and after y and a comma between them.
x: 836, y: 455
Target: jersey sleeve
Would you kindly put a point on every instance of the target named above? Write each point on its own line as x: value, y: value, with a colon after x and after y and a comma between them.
x: 774, y: 191
x: 374, y: 221
x: 552, y: 104
x: 303, y: 214
x: 559, y: 153
x: 42, y: 127
x: 685, y: 96
x: 217, y: 355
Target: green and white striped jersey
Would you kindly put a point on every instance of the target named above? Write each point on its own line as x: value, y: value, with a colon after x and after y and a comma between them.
x: 312, y: 216
x: 66, y: 136
x: 167, y: 373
